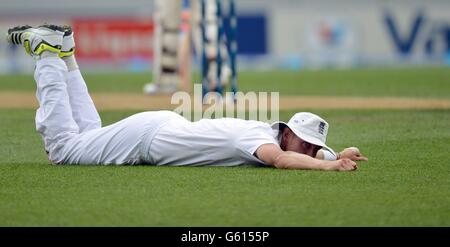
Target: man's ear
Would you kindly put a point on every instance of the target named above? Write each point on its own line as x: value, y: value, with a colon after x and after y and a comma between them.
x: 284, y: 138
x: 286, y: 133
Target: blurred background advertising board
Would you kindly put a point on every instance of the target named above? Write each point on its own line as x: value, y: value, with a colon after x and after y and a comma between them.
x: 285, y: 34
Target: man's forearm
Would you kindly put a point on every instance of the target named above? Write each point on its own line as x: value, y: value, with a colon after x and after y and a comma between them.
x: 292, y: 160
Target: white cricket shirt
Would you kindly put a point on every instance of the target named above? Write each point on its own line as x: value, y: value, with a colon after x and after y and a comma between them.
x: 212, y: 142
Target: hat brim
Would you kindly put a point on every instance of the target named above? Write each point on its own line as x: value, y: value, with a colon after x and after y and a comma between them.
x: 312, y: 140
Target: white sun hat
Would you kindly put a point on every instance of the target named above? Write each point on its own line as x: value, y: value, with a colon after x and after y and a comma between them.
x: 308, y: 127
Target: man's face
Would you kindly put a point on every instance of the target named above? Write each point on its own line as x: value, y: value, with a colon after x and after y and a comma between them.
x: 291, y: 142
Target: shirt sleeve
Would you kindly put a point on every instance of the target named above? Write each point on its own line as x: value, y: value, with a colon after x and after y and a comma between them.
x: 252, y: 138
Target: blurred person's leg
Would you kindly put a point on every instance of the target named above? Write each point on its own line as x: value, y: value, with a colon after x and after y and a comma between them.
x: 211, y: 42
x: 166, y: 44
x: 196, y: 19
x: 185, y: 49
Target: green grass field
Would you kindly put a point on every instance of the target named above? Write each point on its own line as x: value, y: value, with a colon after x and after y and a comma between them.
x: 406, y: 181
x: 407, y: 82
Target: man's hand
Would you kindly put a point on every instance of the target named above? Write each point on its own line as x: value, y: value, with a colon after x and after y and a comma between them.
x: 352, y: 153
x: 343, y: 164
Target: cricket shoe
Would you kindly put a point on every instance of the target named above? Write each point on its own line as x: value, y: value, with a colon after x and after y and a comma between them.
x: 37, y: 40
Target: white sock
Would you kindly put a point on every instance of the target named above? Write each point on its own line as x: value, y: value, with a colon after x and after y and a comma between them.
x: 71, y: 62
x: 46, y: 54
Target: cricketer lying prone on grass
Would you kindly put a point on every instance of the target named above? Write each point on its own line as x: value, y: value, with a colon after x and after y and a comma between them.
x: 71, y: 128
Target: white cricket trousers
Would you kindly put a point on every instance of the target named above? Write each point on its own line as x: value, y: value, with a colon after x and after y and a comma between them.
x: 71, y: 128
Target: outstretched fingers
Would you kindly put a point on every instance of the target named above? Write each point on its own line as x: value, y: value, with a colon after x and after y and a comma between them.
x: 361, y: 158
x: 357, y: 155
